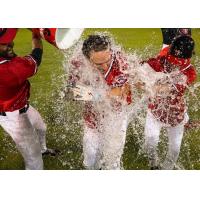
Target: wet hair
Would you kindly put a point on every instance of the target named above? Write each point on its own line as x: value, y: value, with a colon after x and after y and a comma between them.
x: 95, y: 43
x: 182, y: 47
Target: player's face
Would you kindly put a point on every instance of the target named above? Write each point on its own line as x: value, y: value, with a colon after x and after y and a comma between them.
x: 6, y: 50
x: 101, y: 59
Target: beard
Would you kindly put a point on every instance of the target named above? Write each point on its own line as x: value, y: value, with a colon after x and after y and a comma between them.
x: 8, y: 54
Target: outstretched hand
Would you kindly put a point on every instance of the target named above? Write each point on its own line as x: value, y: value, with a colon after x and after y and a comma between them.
x: 83, y: 93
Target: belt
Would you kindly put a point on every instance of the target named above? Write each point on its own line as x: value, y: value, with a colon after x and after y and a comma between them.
x: 21, y: 111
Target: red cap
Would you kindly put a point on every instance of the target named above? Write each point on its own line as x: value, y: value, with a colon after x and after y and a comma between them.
x: 7, y: 35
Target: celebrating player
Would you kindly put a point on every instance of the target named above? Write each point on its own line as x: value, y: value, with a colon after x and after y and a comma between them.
x: 167, y: 107
x: 19, y: 119
x: 99, y: 79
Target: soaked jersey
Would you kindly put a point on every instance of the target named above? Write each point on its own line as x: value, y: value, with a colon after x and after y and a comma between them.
x: 14, y: 86
x: 171, y: 108
x: 115, y: 76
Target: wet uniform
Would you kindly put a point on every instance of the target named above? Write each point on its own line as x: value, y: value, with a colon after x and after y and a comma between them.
x: 170, y: 110
x: 19, y: 119
x: 98, y: 139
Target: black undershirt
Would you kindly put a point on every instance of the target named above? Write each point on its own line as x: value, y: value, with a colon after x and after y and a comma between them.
x: 37, y: 55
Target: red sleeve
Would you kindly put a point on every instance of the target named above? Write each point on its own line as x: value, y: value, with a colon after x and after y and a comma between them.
x: 155, y: 64
x: 23, y: 68
x: 164, y: 51
x: 191, y: 74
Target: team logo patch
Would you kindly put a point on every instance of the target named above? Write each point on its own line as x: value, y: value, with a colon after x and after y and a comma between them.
x: 120, y: 80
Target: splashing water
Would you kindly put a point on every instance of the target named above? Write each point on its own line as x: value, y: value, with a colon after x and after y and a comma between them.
x: 111, y: 121
x: 136, y: 112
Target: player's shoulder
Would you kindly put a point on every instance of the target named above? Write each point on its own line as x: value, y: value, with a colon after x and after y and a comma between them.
x: 164, y: 51
x: 186, y: 65
x: 156, y: 63
x: 10, y: 61
x: 3, y: 61
x: 155, y: 60
x: 120, y: 60
x: 189, y: 69
x: 27, y: 60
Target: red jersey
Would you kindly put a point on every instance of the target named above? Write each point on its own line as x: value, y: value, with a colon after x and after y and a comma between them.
x: 115, y: 76
x: 14, y: 86
x: 170, y: 110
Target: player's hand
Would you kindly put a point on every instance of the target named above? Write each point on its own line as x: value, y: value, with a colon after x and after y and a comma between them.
x: 83, y: 93
x: 36, y: 41
x: 162, y: 90
x: 35, y: 32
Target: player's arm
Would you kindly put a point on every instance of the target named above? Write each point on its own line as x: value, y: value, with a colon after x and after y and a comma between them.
x: 191, y: 76
x: 178, y: 82
x: 151, y: 78
x: 33, y: 60
x: 27, y: 66
x: 121, y: 92
x: 30, y: 63
x: 37, y: 48
x: 162, y: 88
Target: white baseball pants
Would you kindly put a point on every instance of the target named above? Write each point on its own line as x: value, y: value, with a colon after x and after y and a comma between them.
x: 175, y: 135
x: 103, y: 147
x: 28, y: 132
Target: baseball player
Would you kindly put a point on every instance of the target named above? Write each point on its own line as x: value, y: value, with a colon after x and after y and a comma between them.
x: 170, y: 33
x: 17, y: 117
x: 167, y: 108
x: 99, y: 79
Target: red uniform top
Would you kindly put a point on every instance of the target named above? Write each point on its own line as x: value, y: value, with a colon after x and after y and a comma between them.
x: 170, y: 110
x: 14, y: 86
x: 115, y: 76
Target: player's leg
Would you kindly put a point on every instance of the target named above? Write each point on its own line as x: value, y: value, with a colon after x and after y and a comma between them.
x: 152, y: 132
x: 41, y: 129
x: 90, y: 147
x: 39, y: 125
x: 22, y: 132
x: 175, y: 135
x: 113, y: 140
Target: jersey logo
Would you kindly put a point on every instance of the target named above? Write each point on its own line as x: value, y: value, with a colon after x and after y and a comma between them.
x: 120, y: 80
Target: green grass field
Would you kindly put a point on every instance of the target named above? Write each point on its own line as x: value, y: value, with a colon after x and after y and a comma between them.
x: 64, y: 132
